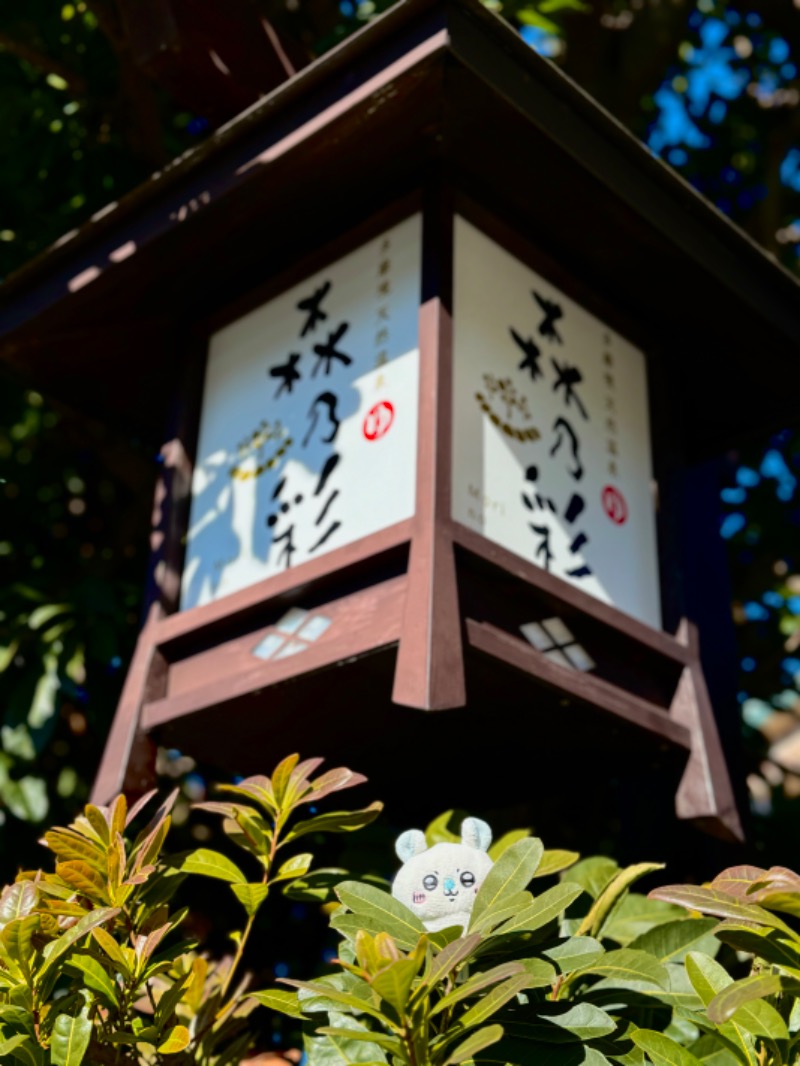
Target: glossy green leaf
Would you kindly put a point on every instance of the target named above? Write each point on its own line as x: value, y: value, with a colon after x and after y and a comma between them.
x: 478, y: 982
x: 765, y: 942
x: 328, y: 992
x: 392, y: 917
x: 510, y: 875
x: 553, y: 862
x: 250, y: 896
x: 612, y: 894
x: 394, y: 982
x: 501, y: 845
x: 209, y: 863
x: 17, y: 901
x: 670, y: 941
x: 628, y: 965
x: 297, y: 866
x: 70, y: 1039
x: 56, y: 948
x: 712, y: 901
x: 475, y: 1042
x: 573, y: 953
x: 500, y: 912
x: 730, y: 999
x: 544, y: 909
x: 661, y: 1050
x: 496, y: 998
x: 176, y: 1039
x: 392, y: 1044
x: 451, y: 957
x: 335, y: 822
x: 277, y: 999
x: 96, y: 977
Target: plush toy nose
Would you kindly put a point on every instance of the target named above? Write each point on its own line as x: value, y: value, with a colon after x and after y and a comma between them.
x: 449, y: 885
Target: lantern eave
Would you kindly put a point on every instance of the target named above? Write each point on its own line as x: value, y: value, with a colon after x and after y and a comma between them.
x: 432, y: 86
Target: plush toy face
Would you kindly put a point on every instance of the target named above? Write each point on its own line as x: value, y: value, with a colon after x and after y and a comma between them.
x: 439, y: 884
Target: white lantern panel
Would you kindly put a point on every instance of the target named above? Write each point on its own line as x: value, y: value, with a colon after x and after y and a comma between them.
x: 551, y: 438
x: 308, y: 426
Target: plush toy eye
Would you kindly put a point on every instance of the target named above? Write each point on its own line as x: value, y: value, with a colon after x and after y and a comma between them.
x: 467, y: 879
x: 429, y: 882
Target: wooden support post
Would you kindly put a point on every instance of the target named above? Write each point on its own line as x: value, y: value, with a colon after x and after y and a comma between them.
x: 430, y: 658
x: 705, y: 794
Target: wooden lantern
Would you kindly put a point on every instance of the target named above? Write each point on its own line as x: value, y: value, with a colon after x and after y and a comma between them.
x: 436, y: 347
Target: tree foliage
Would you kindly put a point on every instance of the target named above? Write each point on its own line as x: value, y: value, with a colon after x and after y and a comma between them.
x: 97, y: 94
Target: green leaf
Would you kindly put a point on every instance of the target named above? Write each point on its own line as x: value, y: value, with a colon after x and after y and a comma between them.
x: 176, y: 1039
x: 612, y: 894
x: 553, y: 862
x: 70, y: 1039
x: 250, y: 896
x: 335, y: 822
x: 474, y: 1043
x: 96, y: 978
x: 635, y: 915
x: 709, y: 979
x: 394, y: 982
x: 388, y: 1043
x: 281, y: 777
x: 277, y: 999
x: 741, y: 1002
x: 394, y: 918
x: 712, y: 901
x: 574, y: 952
x: 582, y: 1021
x: 671, y: 941
x: 297, y: 866
x: 726, y: 1002
x: 707, y: 976
x: 628, y: 965
x: 17, y: 901
x: 56, y: 948
x: 766, y: 943
x: 209, y: 863
x: 454, y: 955
x: 328, y: 992
x: 501, y: 911
x: 477, y: 983
x: 539, y: 971
x: 17, y: 938
x: 111, y: 948
x: 661, y: 1050
x: 509, y: 875
x: 499, y: 846
x: 544, y: 909
x: 593, y: 874
x: 334, y: 1048
x: 494, y: 1000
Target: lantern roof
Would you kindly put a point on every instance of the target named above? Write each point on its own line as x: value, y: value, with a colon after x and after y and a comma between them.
x: 438, y: 89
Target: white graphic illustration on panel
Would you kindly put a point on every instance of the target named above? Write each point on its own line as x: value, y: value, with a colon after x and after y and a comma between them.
x: 309, y: 413
x: 551, y: 446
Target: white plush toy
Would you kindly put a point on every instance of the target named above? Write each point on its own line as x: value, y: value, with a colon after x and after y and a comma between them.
x: 439, y: 884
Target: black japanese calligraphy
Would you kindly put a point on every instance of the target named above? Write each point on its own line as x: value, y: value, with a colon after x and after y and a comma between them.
x: 311, y: 304
x: 287, y: 373
x: 327, y: 352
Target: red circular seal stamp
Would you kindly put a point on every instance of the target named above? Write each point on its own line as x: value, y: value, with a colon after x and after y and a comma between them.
x: 378, y: 420
x: 615, y: 505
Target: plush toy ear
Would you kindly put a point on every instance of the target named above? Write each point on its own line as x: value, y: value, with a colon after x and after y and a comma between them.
x: 410, y: 843
x: 476, y: 834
